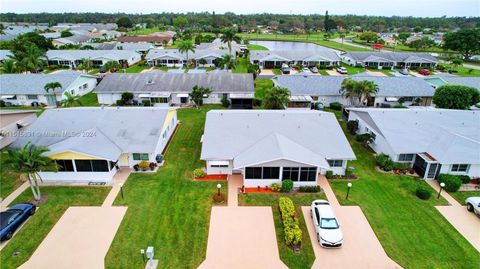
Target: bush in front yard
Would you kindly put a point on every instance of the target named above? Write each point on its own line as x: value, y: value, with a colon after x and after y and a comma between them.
x: 352, y: 126
x: 423, y: 193
x: 329, y: 174
x: 336, y: 106
x: 464, y: 178
x: 452, y: 182
x: 287, y: 185
x: 382, y: 159
x: 293, y: 233
x: 198, y: 173
x: 309, y: 189
x: 275, y: 187
x: 144, y: 165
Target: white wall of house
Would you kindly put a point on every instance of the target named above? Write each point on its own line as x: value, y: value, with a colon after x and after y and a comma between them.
x: 219, y: 170
x: 165, y: 135
x: 78, y: 177
x: 473, y: 170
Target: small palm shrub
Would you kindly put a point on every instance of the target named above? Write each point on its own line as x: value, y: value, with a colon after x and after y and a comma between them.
x: 198, y: 173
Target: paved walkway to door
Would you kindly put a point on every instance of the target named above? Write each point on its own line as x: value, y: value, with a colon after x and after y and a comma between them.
x: 119, y: 178
x: 80, y: 239
x: 465, y: 222
x: 361, y: 248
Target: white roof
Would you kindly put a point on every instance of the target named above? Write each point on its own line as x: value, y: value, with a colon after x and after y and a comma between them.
x: 256, y: 136
x: 449, y: 136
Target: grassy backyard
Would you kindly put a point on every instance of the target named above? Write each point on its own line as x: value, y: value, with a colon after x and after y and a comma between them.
x: 9, y: 180
x: 168, y: 210
x: 89, y: 99
x: 306, y: 257
x: 256, y: 47
x: 137, y: 68
x: 461, y: 196
x: 261, y: 84
x: 412, y: 231
x: 36, y: 229
x: 241, y: 66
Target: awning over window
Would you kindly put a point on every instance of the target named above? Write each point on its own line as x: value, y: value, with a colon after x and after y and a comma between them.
x: 391, y: 99
x: 301, y: 98
x: 218, y: 163
x: 182, y: 95
x: 7, y: 96
x: 160, y: 94
x: 241, y: 96
x: 144, y: 95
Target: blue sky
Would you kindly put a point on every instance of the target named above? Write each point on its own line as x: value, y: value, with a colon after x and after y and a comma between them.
x: 419, y: 8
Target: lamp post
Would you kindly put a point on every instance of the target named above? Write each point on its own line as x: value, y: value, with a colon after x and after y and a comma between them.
x: 219, y: 186
x: 349, y: 186
x: 442, y: 185
x: 121, y: 189
x: 142, y: 251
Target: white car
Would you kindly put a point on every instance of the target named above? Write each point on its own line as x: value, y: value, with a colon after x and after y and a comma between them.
x: 306, y: 70
x: 326, y: 225
x: 342, y: 70
x: 473, y: 205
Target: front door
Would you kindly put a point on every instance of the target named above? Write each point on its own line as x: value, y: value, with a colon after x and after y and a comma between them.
x: 183, y: 100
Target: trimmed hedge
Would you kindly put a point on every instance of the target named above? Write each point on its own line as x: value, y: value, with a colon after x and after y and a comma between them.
x: 465, y: 179
x: 293, y: 233
x: 329, y: 174
x: 452, y: 182
x: 309, y: 189
x: 287, y: 185
x: 336, y: 106
x: 423, y: 193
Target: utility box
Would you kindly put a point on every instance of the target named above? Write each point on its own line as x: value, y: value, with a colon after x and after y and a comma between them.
x: 150, y: 253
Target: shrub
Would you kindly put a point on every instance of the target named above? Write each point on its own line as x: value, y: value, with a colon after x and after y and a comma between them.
x: 423, y: 193
x: 198, y: 173
x: 452, y: 182
x: 225, y: 101
x: 382, y: 159
x: 349, y: 172
x: 464, y: 178
x: 287, y: 185
x: 275, y: 187
x: 2, y: 103
x: 309, y: 189
x: 401, y: 166
x: 152, y: 166
x: 120, y: 102
x: 352, y: 126
x: 336, y: 106
x: 293, y: 233
x: 144, y: 165
x: 329, y: 174
x: 146, y: 103
x: 364, y: 138
x: 389, y: 165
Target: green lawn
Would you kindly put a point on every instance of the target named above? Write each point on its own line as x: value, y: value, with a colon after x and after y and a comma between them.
x: 261, y: 84
x: 137, y: 68
x: 461, y: 196
x: 241, y: 66
x: 464, y: 71
x: 352, y: 70
x: 168, y: 210
x: 94, y: 71
x: 89, y: 99
x: 277, y: 71
x: 256, y: 47
x: 323, y: 72
x: 401, y: 47
x: 37, y: 227
x: 412, y: 231
x: 306, y: 257
x: 145, y: 31
x: 9, y: 180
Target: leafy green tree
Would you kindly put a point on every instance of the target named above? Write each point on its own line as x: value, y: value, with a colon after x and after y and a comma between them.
x: 253, y: 69
x: 112, y: 66
x: 465, y: 41
x: 455, y: 97
x: 228, y: 36
x: 127, y: 98
x: 71, y: 100
x: 180, y: 22
x: 423, y: 43
x: 417, y: 29
x: 51, y: 87
x: 86, y: 65
x: 228, y: 61
x: 30, y: 160
x: 125, y: 22
x: 66, y: 33
x: 184, y: 46
x: 9, y: 67
x: 368, y: 36
x: 197, y: 95
x: 403, y: 36
x: 276, y: 98
x: 456, y: 62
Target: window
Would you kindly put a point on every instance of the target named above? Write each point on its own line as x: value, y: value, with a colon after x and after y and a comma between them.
x: 85, y: 85
x: 64, y: 165
x: 99, y: 166
x: 271, y: 173
x: 91, y: 165
x: 300, y: 173
x: 290, y: 173
x: 406, y: 157
x: 335, y: 163
x: 32, y: 96
x: 460, y: 167
x: 83, y: 165
x: 140, y: 156
x: 253, y: 173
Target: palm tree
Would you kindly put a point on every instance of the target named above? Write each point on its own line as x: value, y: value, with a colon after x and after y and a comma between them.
x: 228, y: 61
x: 30, y: 160
x: 52, y: 86
x: 9, y: 67
x: 31, y: 59
x: 253, y: 69
x: 276, y: 98
x: 112, y: 66
x: 86, y: 65
x: 71, y: 100
x: 228, y: 36
x: 366, y: 88
x: 349, y: 90
x: 184, y: 46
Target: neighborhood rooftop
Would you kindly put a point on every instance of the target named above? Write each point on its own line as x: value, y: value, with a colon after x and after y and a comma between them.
x: 265, y: 135
x: 391, y: 56
x: 294, y: 55
x: 330, y: 85
x: 176, y: 54
x: 98, y: 131
x: 89, y: 54
x: 174, y: 82
x: 450, y: 136
x: 439, y: 80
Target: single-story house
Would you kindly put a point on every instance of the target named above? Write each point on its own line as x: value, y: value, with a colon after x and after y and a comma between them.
x: 73, y: 58
x: 141, y: 47
x: 12, y: 31
x: 5, y: 55
x: 174, y: 58
x: 275, y: 58
x: 432, y: 140
x: 74, y: 40
x: 157, y: 40
x: 218, y: 44
x: 383, y: 60
x: 90, y: 143
x: 12, y: 121
x: 28, y: 89
x: 440, y: 80
x: 325, y: 89
x: 168, y: 89
x: 268, y: 146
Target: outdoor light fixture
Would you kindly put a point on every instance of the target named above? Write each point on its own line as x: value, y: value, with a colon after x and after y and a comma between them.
x: 442, y: 185
x: 219, y: 186
x: 142, y: 251
x: 349, y: 186
x: 121, y: 188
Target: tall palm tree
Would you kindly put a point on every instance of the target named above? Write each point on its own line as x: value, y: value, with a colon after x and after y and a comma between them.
x: 228, y: 36
x: 30, y: 160
x: 366, y: 88
x: 52, y: 86
x: 31, y: 60
x: 349, y: 90
x: 9, y: 67
x: 184, y: 46
x: 71, y: 100
x: 228, y: 61
x: 112, y: 66
x: 86, y: 65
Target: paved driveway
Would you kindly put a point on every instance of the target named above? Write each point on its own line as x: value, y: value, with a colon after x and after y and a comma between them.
x: 242, y: 237
x: 80, y: 239
x: 361, y: 248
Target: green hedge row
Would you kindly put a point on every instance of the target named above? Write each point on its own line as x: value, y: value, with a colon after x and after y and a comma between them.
x: 453, y: 182
x: 293, y: 233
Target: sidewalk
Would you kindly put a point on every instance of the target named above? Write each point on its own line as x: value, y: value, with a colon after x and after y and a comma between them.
x: 5, y: 202
x: 234, y: 183
x: 120, y: 177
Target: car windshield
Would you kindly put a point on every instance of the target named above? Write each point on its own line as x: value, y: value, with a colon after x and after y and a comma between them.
x: 328, y: 223
x: 6, y: 216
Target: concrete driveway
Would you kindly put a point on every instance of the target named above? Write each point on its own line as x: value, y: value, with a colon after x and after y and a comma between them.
x: 80, y: 239
x: 361, y: 248
x: 242, y: 237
